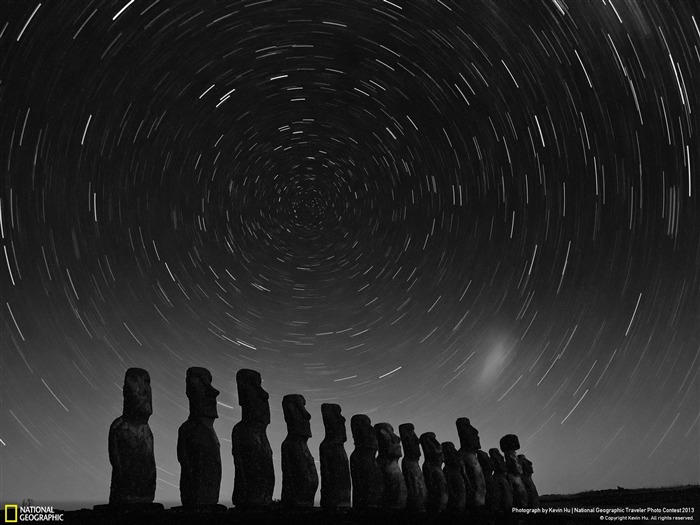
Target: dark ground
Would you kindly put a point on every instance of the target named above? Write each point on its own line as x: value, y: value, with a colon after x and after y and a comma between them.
x: 674, y: 504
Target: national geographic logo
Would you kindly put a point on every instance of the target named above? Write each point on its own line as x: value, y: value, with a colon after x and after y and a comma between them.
x: 15, y: 514
x: 10, y: 513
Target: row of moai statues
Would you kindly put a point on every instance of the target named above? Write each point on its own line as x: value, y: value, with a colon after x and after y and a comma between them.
x: 371, y: 478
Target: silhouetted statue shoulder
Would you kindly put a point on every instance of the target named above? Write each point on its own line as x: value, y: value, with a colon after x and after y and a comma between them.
x: 198, y: 449
x: 254, y: 478
x: 335, y: 467
x: 389, y: 446
x: 367, y: 481
x: 416, y: 493
x: 435, y: 482
x: 131, y: 444
x: 299, y: 475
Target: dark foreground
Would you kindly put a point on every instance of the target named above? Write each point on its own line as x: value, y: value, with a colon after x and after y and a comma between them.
x: 676, y: 504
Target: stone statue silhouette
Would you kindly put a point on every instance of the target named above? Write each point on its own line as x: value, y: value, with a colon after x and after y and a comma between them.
x: 435, y: 482
x: 367, y: 481
x: 335, y: 467
x: 500, y: 476
x: 456, y: 477
x: 469, y: 445
x: 388, y: 460
x: 299, y: 476
x: 131, y: 444
x: 197, y: 444
x: 492, y: 494
x: 416, y: 493
x: 509, y: 445
x: 254, y: 478
x: 533, y: 498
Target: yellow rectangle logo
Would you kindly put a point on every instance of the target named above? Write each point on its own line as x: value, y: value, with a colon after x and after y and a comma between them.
x: 10, y: 513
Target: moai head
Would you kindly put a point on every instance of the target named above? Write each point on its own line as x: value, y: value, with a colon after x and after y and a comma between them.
x: 509, y: 443
x: 525, y: 464
x: 431, y: 447
x: 296, y: 416
x: 334, y: 423
x: 450, y: 453
x: 468, y: 435
x: 389, y: 443
x: 252, y: 397
x: 362, y: 432
x: 201, y: 394
x: 499, y: 462
x: 409, y: 440
x: 138, y: 405
x: 485, y: 461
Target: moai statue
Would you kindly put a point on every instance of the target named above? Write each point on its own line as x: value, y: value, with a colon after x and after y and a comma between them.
x: 456, y: 477
x: 469, y: 445
x: 509, y: 445
x: 299, y: 475
x: 533, y: 498
x: 492, y: 494
x: 500, y: 476
x: 388, y: 461
x: 254, y: 478
x: 416, y: 493
x: 131, y: 444
x: 435, y: 482
x: 367, y: 481
x: 335, y: 468
x: 197, y: 445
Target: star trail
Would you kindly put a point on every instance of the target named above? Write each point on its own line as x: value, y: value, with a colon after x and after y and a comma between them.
x: 420, y: 210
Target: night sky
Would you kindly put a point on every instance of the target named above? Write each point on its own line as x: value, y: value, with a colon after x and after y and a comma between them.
x: 420, y: 210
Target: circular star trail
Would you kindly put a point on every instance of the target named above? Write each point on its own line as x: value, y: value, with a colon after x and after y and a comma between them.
x: 419, y: 210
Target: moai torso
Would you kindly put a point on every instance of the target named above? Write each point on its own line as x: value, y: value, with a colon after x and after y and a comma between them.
x: 367, y: 481
x: 130, y: 444
x: 500, y: 476
x: 254, y: 477
x: 435, y: 482
x: 469, y: 445
x: 492, y: 491
x: 388, y: 461
x: 299, y: 476
x: 533, y: 498
x: 509, y: 445
x: 456, y: 477
x: 416, y: 492
x: 335, y: 467
x: 198, y: 449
